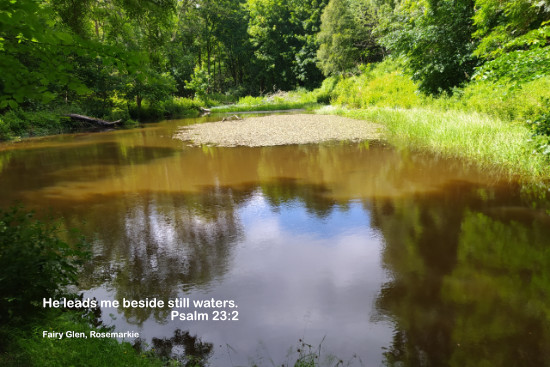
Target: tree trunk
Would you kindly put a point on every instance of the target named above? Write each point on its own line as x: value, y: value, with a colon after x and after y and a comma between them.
x: 93, y: 120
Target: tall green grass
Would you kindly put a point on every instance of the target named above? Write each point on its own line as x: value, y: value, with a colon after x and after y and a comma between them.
x: 380, y: 85
x: 299, y: 99
x: 507, y: 101
x: 488, y: 141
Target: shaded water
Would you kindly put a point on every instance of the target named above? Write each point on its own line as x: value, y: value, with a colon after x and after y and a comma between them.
x: 377, y: 255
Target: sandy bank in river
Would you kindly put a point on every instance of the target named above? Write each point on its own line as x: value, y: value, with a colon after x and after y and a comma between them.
x: 279, y: 130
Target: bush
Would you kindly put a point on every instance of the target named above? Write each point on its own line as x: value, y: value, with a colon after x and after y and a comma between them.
x: 380, y: 85
x: 510, y: 102
x: 179, y: 106
x: 170, y: 108
x: 524, y: 58
x: 541, y: 125
x: 34, y: 263
x: 250, y: 101
x: 323, y: 93
x: 14, y: 123
x: 18, y: 122
x: 5, y: 132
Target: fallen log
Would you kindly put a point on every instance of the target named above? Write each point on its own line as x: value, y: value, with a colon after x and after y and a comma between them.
x: 204, y: 111
x: 93, y: 120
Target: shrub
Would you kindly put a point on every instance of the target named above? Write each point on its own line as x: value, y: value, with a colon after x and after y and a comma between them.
x: 380, y: 85
x: 5, y: 132
x: 541, y: 125
x: 34, y: 263
x: 250, y: 101
x: 179, y: 106
x: 323, y: 93
x: 519, y: 102
x: 14, y: 122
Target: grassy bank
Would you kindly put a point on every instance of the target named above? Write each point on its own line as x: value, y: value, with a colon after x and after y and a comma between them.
x: 27, y: 346
x: 35, y: 263
x: 488, y: 141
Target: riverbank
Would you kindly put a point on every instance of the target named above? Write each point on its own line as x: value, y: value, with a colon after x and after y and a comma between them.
x: 484, y: 140
x: 19, y: 123
x: 27, y: 346
x: 36, y: 263
x: 481, y: 139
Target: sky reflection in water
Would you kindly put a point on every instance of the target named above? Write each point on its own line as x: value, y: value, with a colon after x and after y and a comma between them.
x: 294, y: 275
x: 401, y: 258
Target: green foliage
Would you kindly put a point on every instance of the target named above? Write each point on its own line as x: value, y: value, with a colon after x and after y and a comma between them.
x: 281, y: 33
x: 28, y: 347
x: 337, y: 52
x: 175, y: 107
x: 323, y: 94
x: 541, y: 130
x: 541, y: 125
x: 516, y: 66
x: 24, y: 123
x: 436, y: 38
x: 346, y: 38
x: 299, y: 99
x: 520, y: 60
x: 377, y: 86
x: 199, y: 83
x: 179, y: 106
x: 250, y: 101
x: 499, y: 23
x: 509, y: 102
x: 34, y: 55
x: 34, y: 263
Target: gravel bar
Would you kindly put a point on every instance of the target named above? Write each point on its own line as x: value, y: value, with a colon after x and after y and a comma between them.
x: 279, y: 130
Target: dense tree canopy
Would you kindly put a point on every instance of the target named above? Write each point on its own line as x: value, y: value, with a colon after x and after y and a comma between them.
x: 346, y: 37
x: 436, y: 37
x: 112, y: 55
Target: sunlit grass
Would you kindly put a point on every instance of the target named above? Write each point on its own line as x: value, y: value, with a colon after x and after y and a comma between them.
x: 488, y: 141
x: 266, y: 107
x: 299, y: 99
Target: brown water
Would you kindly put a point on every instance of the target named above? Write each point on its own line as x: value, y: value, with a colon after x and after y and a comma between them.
x: 376, y: 255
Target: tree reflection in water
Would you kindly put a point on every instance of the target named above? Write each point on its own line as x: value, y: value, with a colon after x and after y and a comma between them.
x: 183, y: 347
x: 163, y: 245
x: 469, y: 288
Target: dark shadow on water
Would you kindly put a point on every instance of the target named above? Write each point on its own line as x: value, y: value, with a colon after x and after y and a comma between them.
x: 188, y: 350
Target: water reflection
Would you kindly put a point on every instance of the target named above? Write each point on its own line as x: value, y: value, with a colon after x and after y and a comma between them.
x: 159, y: 245
x: 469, y: 286
x: 187, y: 349
x: 364, y: 247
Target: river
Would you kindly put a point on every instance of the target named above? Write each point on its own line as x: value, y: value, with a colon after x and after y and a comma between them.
x: 357, y: 252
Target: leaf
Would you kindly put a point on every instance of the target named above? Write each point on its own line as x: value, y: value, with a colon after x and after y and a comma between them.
x: 66, y: 38
x: 48, y: 97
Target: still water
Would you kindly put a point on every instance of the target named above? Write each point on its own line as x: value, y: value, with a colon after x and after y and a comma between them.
x: 369, y: 254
